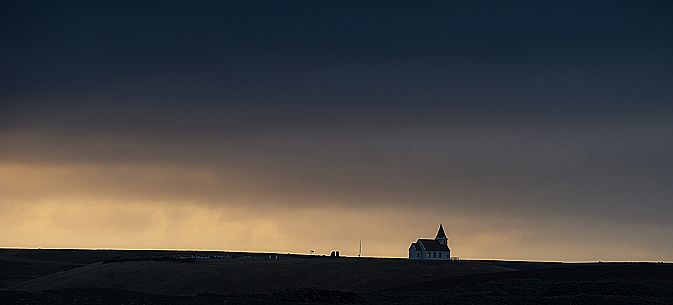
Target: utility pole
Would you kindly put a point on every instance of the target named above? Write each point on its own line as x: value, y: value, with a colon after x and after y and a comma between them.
x: 360, y: 253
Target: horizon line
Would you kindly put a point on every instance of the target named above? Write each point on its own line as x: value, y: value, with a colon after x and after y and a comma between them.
x: 346, y: 256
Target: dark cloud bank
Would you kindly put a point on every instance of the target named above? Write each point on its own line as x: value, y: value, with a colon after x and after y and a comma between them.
x: 553, y: 112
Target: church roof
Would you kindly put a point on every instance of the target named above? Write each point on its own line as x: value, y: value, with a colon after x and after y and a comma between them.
x: 432, y: 245
x: 440, y: 233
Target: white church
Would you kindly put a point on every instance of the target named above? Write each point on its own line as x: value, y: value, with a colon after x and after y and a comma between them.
x: 432, y: 249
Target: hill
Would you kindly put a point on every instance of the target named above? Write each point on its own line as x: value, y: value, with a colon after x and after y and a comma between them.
x: 607, y: 283
x: 254, y: 275
x: 166, y: 277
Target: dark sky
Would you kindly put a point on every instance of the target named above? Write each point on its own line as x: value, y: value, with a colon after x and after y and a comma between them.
x: 532, y: 129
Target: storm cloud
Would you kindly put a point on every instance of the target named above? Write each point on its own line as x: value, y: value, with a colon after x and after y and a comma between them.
x: 532, y: 131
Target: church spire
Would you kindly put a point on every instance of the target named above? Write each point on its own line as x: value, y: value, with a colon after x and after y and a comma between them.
x: 441, y: 236
x: 440, y: 233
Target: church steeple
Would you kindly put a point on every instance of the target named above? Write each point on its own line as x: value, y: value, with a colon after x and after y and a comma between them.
x: 441, y: 236
x: 440, y: 233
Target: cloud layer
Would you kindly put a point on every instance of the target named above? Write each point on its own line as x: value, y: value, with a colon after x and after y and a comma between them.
x: 533, y: 131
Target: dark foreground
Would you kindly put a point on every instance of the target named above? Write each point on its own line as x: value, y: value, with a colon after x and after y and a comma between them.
x: 25, y: 279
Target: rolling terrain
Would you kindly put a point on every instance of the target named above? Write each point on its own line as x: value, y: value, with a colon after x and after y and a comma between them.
x: 253, y: 276
x: 166, y: 277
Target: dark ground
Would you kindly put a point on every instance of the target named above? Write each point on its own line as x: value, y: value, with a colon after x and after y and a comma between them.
x: 526, y: 283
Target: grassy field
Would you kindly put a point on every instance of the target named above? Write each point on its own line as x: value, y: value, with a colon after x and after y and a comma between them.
x: 146, y: 277
x: 254, y: 275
